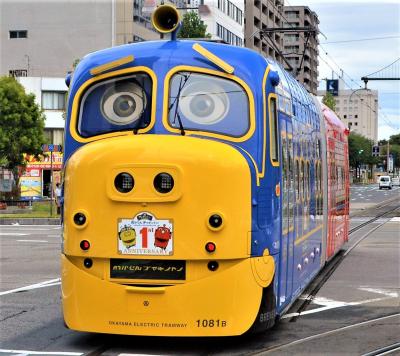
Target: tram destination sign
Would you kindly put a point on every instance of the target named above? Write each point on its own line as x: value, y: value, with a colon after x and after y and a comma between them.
x: 147, y: 269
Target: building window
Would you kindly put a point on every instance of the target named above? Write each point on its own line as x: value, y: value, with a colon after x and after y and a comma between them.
x: 19, y: 34
x: 228, y: 36
x: 356, y: 116
x: 54, y: 100
x: 345, y: 116
x: 356, y: 124
x: 231, y: 10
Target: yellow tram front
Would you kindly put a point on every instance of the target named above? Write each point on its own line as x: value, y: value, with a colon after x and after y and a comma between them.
x: 158, y: 205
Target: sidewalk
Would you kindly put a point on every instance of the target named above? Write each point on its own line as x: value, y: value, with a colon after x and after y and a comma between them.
x: 30, y: 221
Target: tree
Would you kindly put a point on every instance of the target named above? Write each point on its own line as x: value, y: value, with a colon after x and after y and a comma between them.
x: 329, y: 101
x: 193, y: 27
x: 394, y: 150
x: 21, y: 124
x: 360, y: 151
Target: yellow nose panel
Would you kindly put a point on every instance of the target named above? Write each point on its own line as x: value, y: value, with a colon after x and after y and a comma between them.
x: 209, y: 177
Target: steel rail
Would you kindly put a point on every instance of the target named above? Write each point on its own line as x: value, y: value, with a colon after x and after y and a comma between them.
x: 334, y: 263
x: 386, y: 350
x: 330, y: 332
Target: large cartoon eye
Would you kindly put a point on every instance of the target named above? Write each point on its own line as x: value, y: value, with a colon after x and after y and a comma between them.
x: 204, y: 103
x: 123, y: 103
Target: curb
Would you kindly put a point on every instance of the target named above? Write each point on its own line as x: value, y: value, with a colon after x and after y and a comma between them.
x: 30, y: 221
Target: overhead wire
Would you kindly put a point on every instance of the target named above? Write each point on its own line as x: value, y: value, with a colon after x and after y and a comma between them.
x: 383, y: 115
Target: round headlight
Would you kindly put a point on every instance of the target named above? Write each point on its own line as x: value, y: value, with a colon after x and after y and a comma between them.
x: 215, y: 221
x: 163, y: 183
x: 79, y: 219
x: 124, y: 182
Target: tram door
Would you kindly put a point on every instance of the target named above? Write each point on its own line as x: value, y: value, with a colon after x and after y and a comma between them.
x: 287, y: 237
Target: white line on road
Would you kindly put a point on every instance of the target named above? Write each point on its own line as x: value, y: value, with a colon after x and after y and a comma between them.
x: 332, y: 304
x: 26, y: 352
x: 32, y: 241
x: 51, y: 282
x: 12, y: 234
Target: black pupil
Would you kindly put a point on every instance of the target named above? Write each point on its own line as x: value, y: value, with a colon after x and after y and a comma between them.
x: 124, y: 105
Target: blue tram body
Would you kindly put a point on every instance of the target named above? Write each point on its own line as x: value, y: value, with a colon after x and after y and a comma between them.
x: 285, y: 149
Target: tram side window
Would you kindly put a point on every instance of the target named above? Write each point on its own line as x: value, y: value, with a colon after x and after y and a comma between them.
x: 274, y: 130
x: 297, y: 180
x: 308, y: 180
x: 302, y: 185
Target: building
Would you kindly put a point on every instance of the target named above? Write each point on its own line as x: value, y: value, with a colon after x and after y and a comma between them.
x: 358, y: 109
x: 224, y: 20
x: 262, y: 15
x: 302, y: 57
x: 46, y: 37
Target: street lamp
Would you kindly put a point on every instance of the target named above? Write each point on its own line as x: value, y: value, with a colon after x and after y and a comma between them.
x: 358, y: 165
x: 355, y: 91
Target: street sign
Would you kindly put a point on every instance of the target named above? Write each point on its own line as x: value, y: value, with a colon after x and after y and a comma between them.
x: 332, y: 86
x: 51, y: 148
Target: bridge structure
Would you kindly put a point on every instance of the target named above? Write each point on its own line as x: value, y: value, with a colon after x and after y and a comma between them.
x: 390, y: 72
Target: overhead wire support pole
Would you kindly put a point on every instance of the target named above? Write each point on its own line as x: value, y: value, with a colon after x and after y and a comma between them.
x: 306, y: 30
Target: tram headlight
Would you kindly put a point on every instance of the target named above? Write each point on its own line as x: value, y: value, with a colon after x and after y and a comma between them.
x: 215, y: 221
x: 124, y: 182
x: 163, y: 183
x: 79, y: 219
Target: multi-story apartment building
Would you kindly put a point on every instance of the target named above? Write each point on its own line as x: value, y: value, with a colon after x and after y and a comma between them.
x: 302, y: 57
x: 358, y: 109
x: 224, y: 19
x: 40, y: 41
x: 44, y: 38
x: 262, y: 15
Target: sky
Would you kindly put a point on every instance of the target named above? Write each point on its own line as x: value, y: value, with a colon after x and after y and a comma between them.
x: 345, y: 20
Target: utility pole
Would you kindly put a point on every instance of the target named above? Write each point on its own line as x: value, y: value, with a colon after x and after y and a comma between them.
x: 387, y: 158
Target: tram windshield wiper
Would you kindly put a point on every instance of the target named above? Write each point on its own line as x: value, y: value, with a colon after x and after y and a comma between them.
x: 176, y: 103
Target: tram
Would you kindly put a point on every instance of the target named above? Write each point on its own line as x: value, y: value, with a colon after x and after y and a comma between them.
x: 204, y: 188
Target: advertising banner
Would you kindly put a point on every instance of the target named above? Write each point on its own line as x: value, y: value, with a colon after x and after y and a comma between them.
x: 31, y: 187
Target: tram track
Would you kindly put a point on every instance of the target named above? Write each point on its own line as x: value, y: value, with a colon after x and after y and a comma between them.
x: 325, y: 274
x: 386, y: 350
x: 360, y: 226
x: 333, y: 264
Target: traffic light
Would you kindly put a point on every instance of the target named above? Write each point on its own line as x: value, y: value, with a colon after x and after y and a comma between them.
x: 375, y: 151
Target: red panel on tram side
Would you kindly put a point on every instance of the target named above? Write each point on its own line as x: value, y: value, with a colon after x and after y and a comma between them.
x: 338, y: 182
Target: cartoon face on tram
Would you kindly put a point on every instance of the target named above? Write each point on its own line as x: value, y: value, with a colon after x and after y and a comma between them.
x: 194, y: 179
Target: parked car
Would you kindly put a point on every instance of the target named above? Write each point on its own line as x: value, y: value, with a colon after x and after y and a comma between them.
x: 385, y: 182
x: 396, y: 181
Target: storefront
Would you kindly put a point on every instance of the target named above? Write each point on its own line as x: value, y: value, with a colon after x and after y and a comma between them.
x: 35, y: 182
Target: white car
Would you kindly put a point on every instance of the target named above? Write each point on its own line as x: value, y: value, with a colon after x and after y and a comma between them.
x: 385, y: 182
x: 396, y: 181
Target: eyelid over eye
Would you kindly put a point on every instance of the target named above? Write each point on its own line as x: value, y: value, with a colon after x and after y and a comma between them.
x: 117, y: 104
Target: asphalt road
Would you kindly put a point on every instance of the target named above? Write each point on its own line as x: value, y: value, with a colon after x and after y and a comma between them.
x: 353, y: 313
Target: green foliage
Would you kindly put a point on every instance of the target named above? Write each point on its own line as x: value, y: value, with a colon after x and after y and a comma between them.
x: 394, y: 149
x: 21, y: 124
x: 395, y: 139
x: 193, y: 27
x: 360, y: 150
x: 329, y: 101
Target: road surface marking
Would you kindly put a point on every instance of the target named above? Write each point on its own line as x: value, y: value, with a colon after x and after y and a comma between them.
x: 328, y: 304
x: 32, y: 241
x: 51, y: 282
x: 12, y: 234
x: 26, y: 352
